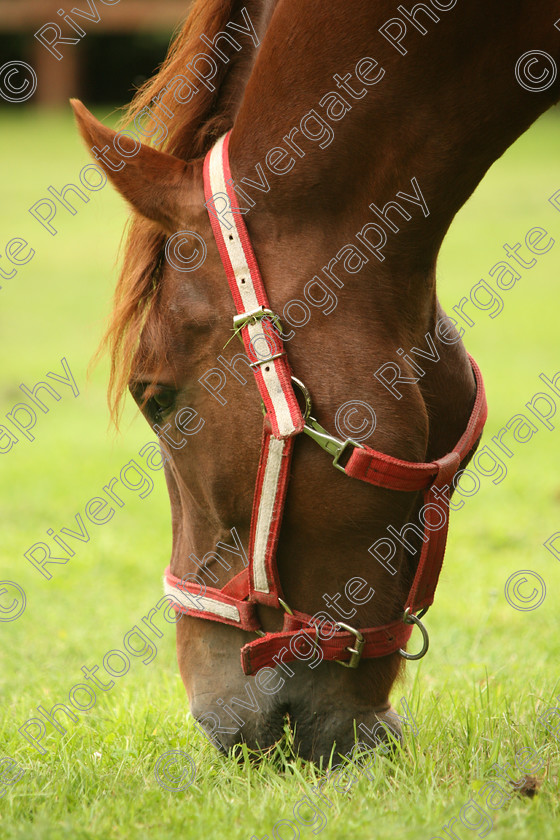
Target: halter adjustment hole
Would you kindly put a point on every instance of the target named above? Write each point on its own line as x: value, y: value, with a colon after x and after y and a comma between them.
x: 267, y: 368
x: 230, y: 237
x: 242, y: 279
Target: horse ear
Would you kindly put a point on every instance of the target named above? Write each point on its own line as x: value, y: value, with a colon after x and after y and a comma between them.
x: 153, y: 182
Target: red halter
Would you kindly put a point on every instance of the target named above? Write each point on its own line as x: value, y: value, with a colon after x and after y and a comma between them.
x: 236, y: 603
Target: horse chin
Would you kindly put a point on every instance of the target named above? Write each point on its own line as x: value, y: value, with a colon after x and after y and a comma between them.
x: 316, y: 737
x: 259, y: 731
x: 321, y: 724
x: 320, y: 735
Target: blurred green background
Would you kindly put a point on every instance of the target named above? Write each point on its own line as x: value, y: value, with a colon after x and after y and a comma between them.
x: 104, y: 62
x: 490, y: 668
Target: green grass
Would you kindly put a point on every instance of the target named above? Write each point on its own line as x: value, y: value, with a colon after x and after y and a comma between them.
x: 491, y: 670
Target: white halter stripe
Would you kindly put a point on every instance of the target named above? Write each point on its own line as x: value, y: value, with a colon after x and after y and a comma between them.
x: 198, y: 603
x: 270, y: 492
x: 273, y: 377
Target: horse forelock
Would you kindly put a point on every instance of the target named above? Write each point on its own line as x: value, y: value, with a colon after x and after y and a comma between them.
x: 191, y: 132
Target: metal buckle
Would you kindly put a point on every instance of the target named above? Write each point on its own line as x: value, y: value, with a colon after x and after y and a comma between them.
x: 409, y: 618
x: 240, y: 321
x: 313, y: 429
x: 356, y: 652
x: 264, y: 361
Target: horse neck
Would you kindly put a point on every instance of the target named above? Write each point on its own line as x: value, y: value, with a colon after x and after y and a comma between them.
x: 441, y: 114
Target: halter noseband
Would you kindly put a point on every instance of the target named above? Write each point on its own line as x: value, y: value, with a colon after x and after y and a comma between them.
x: 236, y: 603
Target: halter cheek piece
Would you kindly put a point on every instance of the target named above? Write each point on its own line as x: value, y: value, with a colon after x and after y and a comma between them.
x: 236, y: 603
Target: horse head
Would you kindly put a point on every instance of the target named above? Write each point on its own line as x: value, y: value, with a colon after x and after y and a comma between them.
x: 345, y: 217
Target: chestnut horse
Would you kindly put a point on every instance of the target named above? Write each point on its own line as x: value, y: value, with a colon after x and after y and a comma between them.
x: 335, y: 110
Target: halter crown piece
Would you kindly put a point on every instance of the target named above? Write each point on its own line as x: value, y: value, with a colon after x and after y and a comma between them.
x: 236, y: 603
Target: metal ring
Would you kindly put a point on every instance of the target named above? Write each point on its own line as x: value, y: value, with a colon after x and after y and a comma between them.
x: 408, y: 618
x: 306, y: 396
x: 313, y: 641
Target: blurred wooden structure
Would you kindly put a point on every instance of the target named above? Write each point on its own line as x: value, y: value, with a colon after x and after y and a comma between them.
x: 58, y: 79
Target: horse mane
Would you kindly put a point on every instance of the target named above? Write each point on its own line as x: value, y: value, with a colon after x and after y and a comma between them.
x: 191, y: 132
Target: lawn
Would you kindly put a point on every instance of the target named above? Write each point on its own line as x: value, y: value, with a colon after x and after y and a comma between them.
x: 491, y: 671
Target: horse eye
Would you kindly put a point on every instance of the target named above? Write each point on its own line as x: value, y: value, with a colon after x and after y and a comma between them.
x: 160, y: 399
x: 164, y: 399
x: 161, y: 403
